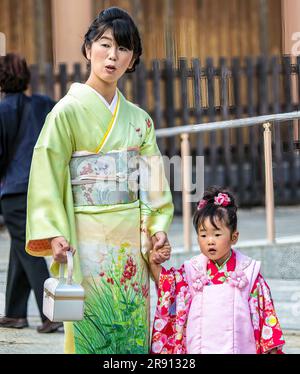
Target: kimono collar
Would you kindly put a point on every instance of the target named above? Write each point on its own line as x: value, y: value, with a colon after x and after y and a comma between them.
x: 112, y: 105
x: 92, y: 102
x: 219, y: 267
x: 230, y: 262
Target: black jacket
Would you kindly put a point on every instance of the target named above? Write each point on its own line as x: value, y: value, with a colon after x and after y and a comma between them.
x: 21, y: 120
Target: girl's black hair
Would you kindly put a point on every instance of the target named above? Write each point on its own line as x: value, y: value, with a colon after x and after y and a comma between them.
x: 14, y: 73
x: 123, y: 28
x: 226, y: 214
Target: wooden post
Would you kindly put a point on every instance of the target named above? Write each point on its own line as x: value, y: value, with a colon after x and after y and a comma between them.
x: 186, y: 173
x: 269, y: 190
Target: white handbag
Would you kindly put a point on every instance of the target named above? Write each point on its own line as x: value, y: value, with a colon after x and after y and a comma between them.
x: 63, y: 300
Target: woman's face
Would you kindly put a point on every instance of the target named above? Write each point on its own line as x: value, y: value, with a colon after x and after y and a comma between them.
x: 215, y: 243
x: 109, y: 61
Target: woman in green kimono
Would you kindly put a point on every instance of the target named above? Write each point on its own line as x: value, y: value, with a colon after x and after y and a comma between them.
x: 83, y: 194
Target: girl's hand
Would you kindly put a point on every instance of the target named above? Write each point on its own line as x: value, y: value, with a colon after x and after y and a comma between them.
x: 59, y: 247
x: 161, y: 255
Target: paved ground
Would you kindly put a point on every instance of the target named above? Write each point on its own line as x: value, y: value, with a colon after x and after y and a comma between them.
x: 252, y: 228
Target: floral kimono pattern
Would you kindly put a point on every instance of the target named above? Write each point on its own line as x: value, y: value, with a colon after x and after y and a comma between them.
x: 174, y: 301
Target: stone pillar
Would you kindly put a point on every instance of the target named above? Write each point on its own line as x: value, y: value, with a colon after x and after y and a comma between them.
x: 71, y: 19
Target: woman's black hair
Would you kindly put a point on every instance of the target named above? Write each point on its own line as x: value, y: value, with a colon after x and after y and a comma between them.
x: 123, y: 28
x: 14, y: 73
x: 208, y: 209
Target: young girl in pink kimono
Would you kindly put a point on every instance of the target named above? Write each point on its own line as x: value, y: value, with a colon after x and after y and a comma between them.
x: 216, y: 302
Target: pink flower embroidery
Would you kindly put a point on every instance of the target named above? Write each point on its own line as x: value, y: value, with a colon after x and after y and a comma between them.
x: 178, y: 349
x: 202, y: 203
x: 148, y: 122
x: 159, y: 324
x: 181, y: 317
x: 129, y: 269
x: 157, y: 346
x: 222, y: 199
x: 199, y: 281
x: 237, y: 279
x: 159, y: 340
x: 87, y: 169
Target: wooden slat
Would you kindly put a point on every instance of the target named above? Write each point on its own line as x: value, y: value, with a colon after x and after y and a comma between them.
x: 262, y: 69
x: 29, y: 27
x: 183, y: 72
x: 39, y: 32
x: 48, y: 33
x: 243, y: 28
x: 142, y: 86
x: 170, y: 108
x: 226, y: 144
x: 263, y: 85
x: 214, y: 30
x: 213, y: 148
x: 77, y: 74
x: 196, y: 67
x: 278, y: 171
x: 35, y: 79
x: 287, y: 74
x: 253, y: 131
x: 63, y: 79
x: 287, y: 83
x: 224, y: 28
x: 122, y: 83
x: 134, y: 86
x: 253, y: 36
x: 298, y: 79
x: 157, y: 103
x: 49, y: 80
x: 234, y: 28
x: 203, y: 47
x: 13, y: 37
x: 236, y: 79
x: 275, y: 32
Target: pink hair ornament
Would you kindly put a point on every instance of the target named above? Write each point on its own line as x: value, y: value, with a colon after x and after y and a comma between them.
x: 222, y: 199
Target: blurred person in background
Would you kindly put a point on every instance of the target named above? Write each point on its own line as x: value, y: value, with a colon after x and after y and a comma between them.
x: 21, y: 120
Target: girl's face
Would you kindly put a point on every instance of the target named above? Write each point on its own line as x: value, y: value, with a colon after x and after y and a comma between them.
x: 109, y: 61
x: 215, y: 243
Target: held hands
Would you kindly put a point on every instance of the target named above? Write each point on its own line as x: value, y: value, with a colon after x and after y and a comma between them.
x: 156, y: 257
x: 59, y: 247
x: 161, y: 250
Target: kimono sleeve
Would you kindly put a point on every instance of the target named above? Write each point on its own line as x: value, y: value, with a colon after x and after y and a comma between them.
x: 49, y: 189
x: 267, y: 330
x: 168, y: 335
x: 155, y: 195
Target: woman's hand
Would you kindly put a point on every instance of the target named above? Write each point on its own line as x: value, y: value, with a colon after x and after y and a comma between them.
x: 159, y: 239
x: 160, y: 254
x: 59, y: 247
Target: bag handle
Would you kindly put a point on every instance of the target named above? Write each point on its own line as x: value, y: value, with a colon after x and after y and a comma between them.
x: 70, y: 269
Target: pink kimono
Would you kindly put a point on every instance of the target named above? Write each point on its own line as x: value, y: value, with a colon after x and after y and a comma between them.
x: 205, y: 310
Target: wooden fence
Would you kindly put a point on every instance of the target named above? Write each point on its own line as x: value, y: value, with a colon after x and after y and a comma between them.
x: 193, y: 92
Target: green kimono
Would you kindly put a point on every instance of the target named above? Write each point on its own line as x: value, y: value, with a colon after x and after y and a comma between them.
x: 112, y: 240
